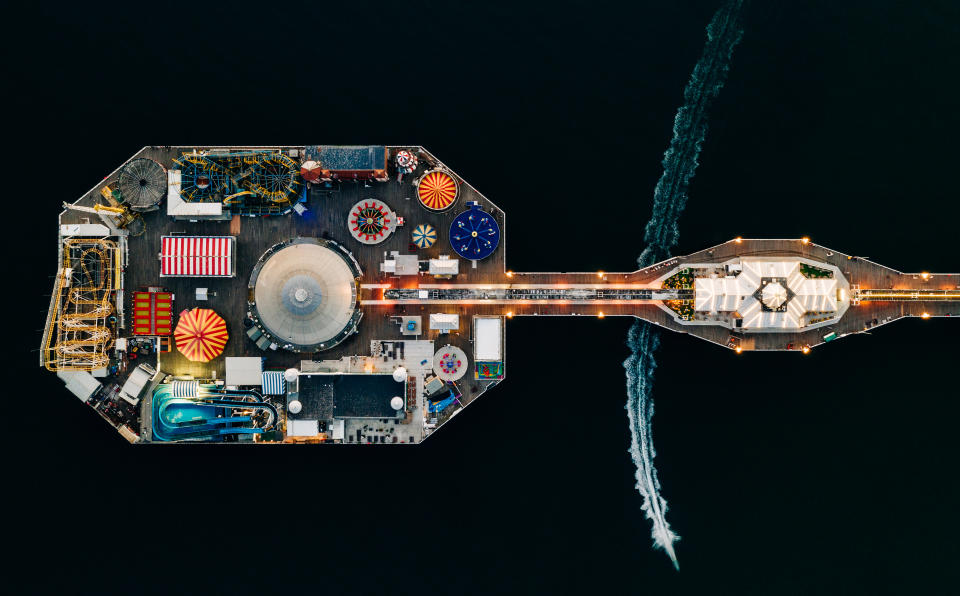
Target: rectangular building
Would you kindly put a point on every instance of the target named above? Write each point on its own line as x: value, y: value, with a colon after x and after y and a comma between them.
x: 198, y: 256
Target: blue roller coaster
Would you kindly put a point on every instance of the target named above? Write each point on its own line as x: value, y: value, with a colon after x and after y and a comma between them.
x: 212, y: 415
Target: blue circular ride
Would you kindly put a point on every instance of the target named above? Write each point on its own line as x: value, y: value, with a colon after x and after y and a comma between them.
x: 474, y: 234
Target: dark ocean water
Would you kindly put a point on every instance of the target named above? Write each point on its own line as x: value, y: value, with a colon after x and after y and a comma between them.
x: 831, y: 473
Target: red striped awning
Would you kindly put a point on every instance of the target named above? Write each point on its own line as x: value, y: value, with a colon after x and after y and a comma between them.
x: 196, y: 256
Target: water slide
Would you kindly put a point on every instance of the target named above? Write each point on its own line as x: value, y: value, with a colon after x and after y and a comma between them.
x: 207, y: 417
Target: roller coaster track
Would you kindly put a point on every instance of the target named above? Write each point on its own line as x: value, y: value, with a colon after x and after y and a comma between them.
x: 269, y: 176
x: 77, y: 336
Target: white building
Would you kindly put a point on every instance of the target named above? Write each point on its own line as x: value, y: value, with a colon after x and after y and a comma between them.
x: 760, y: 294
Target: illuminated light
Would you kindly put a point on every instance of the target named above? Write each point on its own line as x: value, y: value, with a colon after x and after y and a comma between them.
x: 600, y: 315
x: 925, y: 315
x: 925, y: 275
x: 805, y: 240
x: 738, y: 239
x: 509, y: 273
x: 806, y: 349
x: 600, y: 274
x: 509, y: 314
x: 738, y: 350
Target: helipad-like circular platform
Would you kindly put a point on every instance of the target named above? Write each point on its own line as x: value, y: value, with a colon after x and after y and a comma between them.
x: 305, y: 294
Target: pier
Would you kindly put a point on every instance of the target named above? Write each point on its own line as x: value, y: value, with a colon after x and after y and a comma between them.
x: 409, y: 260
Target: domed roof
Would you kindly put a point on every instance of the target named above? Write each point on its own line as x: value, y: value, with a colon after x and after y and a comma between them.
x: 305, y: 295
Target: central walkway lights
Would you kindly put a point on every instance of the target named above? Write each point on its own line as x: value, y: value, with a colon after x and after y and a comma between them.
x: 805, y: 240
x: 925, y: 315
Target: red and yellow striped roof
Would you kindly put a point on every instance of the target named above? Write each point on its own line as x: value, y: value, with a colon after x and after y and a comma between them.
x: 201, y: 334
x: 437, y: 191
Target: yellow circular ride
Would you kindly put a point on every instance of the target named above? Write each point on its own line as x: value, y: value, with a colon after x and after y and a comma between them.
x: 437, y: 190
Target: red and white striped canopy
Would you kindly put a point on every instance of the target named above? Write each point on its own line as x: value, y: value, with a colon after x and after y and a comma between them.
x: 196, y: 256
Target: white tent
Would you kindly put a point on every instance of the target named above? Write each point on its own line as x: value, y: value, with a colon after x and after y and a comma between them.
x: 444, y: 322
x: 488, y: 338
x: 244, y: 370
x: 80, y: 383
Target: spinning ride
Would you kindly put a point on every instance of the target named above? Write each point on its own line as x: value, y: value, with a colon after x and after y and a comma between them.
x: 450, y: 363
x: 142, y: 184
x: 437, y: 190
x: 474, y: 234
x: 406, y: 162
x: 371, y: 221
x: 424, y: 236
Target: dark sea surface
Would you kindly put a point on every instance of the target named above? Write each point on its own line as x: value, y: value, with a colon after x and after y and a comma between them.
x: 833, y: 473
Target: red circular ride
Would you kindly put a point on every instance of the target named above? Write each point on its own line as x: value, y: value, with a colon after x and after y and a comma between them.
x: 371, y: 221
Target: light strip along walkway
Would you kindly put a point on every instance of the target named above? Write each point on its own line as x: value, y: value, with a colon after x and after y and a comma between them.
x: 909, y: 294
x: 542, y: 294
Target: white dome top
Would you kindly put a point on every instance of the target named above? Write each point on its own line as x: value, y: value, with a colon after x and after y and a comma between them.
x: 400, y: 375
x: 396, y: 403
x: 304, y: 294
x: 774, y: 295
x: 291, y: 374
x: 295, y: 406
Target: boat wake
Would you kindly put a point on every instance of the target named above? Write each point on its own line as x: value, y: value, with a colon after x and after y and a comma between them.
x: 661, y: 235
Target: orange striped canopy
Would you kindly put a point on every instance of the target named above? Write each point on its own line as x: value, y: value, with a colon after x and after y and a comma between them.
x: 201, y: 334
x: 437, y: 191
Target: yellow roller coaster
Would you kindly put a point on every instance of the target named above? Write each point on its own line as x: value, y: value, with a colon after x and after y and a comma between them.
x: 250, y: 182
x: 77, y: 334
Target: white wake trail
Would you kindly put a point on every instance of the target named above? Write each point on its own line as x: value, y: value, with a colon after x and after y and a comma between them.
x: 643, y: 340
x: 661, y: 235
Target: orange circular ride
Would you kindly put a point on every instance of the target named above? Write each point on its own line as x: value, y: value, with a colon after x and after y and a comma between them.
x: 201, y: 334
x: 437, y: 190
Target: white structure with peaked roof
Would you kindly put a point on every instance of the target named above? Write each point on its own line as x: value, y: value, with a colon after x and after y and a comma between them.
x: 768, y: 294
